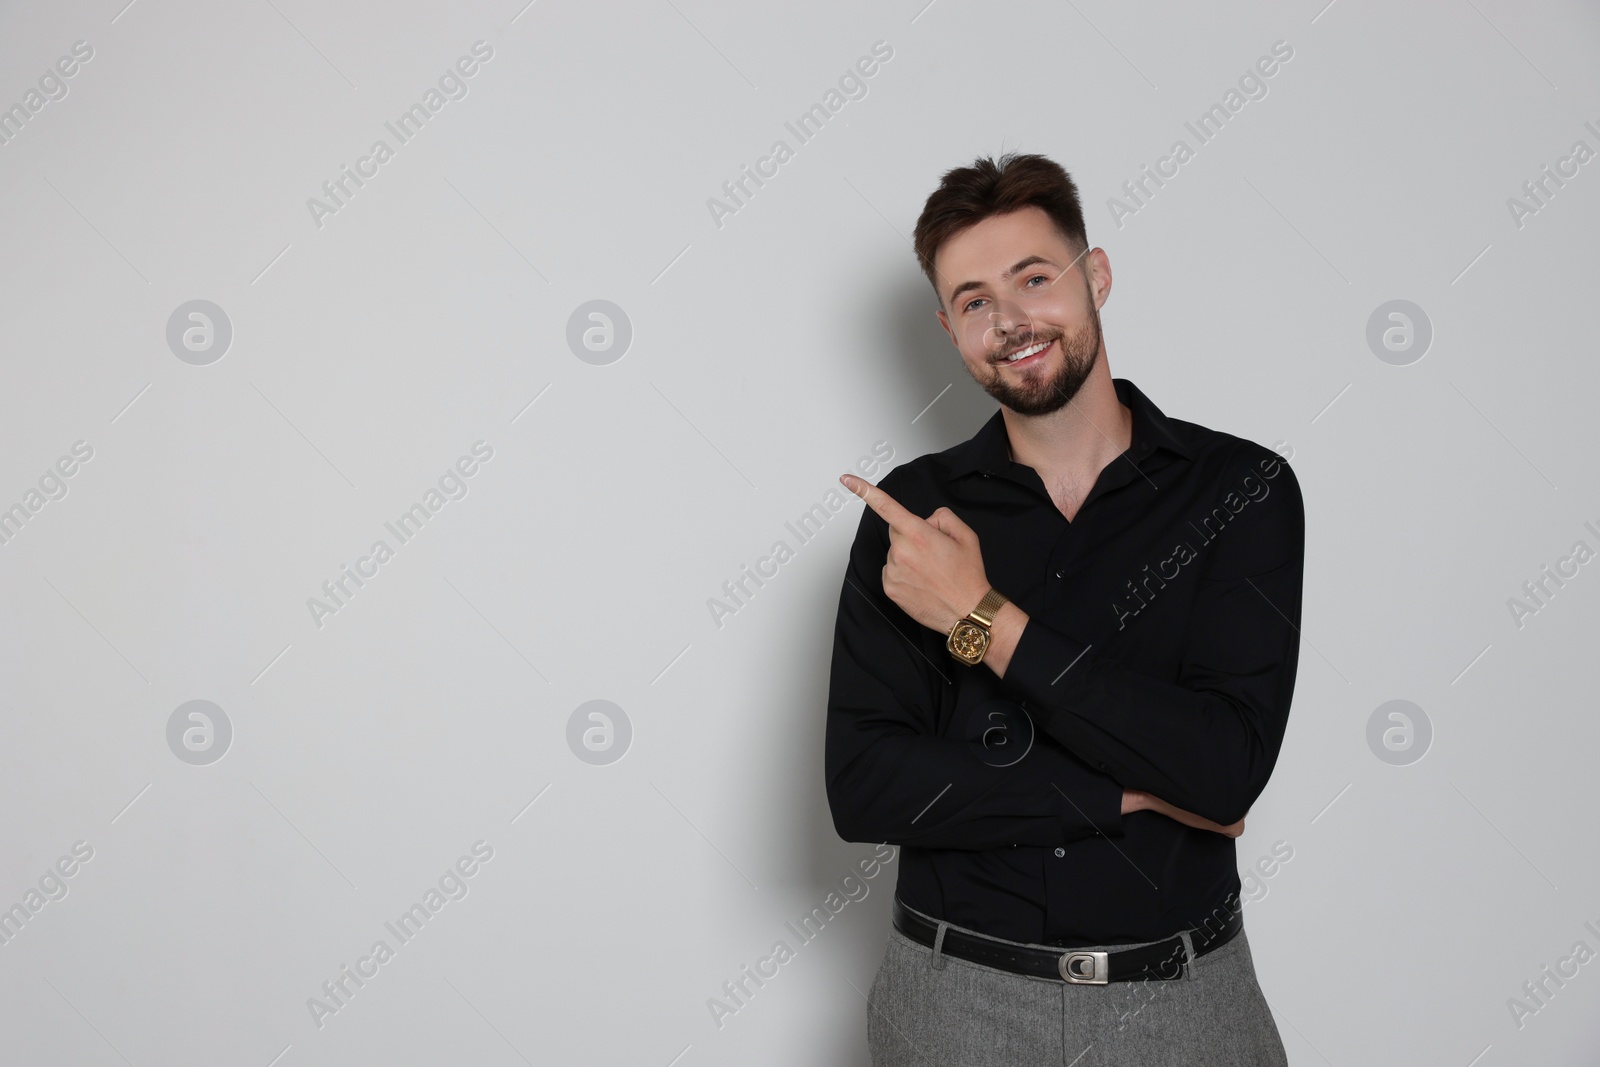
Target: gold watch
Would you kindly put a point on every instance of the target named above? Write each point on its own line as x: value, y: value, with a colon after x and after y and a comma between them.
x: 969, y: 637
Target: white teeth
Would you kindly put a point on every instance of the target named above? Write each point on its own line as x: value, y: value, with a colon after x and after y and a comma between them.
x: 1026, y: 352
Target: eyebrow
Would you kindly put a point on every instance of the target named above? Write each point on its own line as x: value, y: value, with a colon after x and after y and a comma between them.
x: 1019, y: 266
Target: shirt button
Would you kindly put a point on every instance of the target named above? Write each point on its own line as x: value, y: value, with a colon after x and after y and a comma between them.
x: 1060, y: 573
x: 1060, y: 852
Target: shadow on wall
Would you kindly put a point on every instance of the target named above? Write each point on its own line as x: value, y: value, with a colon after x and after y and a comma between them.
x: 907, y: 360
x: 913, y: 361
x: 899, y: 365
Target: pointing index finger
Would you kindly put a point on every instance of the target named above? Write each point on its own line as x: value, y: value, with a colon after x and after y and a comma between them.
x: 887, y: 507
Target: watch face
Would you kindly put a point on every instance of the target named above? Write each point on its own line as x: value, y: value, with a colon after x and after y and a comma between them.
x: 969, y: 641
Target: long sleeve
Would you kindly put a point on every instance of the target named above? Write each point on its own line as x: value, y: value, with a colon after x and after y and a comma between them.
x: 1209, y: 742
x: 892, y: 778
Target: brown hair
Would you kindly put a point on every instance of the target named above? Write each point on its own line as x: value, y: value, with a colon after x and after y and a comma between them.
x: 967, y: 195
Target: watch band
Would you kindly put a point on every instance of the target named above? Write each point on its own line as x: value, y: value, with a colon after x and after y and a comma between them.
x: 987, y: 608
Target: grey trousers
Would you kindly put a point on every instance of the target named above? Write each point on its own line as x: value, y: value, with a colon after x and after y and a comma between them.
x: 938, y: 1011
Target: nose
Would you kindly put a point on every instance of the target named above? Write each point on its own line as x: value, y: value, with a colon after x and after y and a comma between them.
x: 1006, y: 321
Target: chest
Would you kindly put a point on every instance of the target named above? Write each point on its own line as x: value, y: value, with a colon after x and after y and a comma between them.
x: 1117, y: 569
x: 1067, y: 492
x: 1092, y: 557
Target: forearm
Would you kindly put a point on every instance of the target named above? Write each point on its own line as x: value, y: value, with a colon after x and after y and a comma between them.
x: 934, y: 792
x: 1138, y: 800
x: 1204, y: 750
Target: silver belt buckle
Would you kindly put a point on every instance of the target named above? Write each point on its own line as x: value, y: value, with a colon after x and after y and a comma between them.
x: 1084, y: 968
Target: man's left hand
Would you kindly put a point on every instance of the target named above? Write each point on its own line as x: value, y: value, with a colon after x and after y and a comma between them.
x: 935, y: 567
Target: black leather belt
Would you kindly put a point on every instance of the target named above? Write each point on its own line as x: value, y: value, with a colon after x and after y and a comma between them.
x: 1162, y: 960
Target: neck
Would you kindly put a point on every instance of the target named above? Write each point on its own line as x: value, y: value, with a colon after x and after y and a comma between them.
x: 1081, y: 437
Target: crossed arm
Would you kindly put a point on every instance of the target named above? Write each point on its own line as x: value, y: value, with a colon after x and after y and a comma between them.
x: 1009, y: 623
x: 1199, y: 751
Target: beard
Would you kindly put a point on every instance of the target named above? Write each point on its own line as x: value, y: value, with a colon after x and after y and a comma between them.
x: 1031, y: 393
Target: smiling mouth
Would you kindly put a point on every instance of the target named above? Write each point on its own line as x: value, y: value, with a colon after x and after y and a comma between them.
x: 1028, y: 356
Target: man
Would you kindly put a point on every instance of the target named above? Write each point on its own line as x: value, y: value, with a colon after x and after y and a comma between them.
x: 1061, y: 675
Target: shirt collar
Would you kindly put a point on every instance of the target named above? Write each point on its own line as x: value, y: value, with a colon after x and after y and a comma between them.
x: 988, y: 449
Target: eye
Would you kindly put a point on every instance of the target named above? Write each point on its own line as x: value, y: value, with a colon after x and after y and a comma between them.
x: 969, y: 304
x: 1037, y: 276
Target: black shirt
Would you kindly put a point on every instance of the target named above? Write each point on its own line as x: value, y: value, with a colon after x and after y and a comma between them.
x: 1159, y: 655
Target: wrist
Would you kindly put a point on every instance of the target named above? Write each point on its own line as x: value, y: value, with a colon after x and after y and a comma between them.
x: 1009, y: 623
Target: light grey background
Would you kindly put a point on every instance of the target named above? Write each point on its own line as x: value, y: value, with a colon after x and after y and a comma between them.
x: 768, y: 355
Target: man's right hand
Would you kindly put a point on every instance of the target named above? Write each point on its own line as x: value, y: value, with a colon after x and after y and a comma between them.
x: 1138, y: 800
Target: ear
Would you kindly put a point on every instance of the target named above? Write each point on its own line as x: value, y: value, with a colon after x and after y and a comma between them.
x: 1097, y: 276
